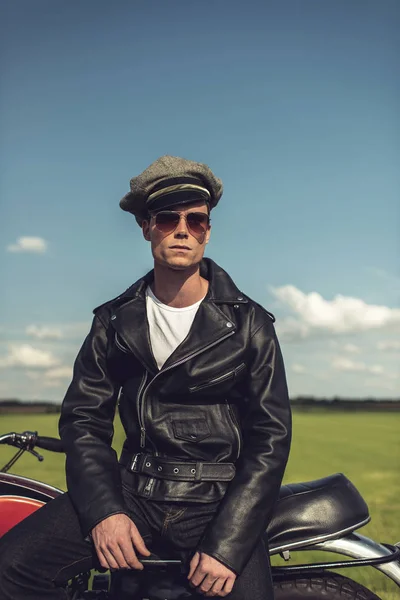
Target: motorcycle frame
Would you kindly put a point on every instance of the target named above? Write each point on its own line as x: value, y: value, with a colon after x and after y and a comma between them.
x: 359, y: 546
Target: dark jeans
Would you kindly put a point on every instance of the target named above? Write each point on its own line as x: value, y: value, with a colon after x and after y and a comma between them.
x: 40, y: 554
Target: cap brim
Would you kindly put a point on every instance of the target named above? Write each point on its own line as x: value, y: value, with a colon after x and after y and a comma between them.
x: 177, y: 198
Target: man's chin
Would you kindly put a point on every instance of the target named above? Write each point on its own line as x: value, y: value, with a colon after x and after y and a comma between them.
x: 178, y: 263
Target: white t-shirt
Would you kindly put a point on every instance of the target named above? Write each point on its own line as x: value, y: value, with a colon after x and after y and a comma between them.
x: 168, y: 325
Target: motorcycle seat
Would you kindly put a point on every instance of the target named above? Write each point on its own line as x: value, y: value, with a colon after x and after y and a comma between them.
x: 315, y: 511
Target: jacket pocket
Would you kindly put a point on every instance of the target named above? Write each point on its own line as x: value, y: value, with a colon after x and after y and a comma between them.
x: 232, y: 374
x: 119, y: 344
x: 191, y: 430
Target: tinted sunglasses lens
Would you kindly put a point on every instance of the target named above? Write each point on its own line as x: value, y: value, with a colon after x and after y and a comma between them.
x: 166, y: 221
x: 197, y: 222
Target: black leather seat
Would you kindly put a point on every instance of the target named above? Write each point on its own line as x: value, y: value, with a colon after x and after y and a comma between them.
x: 316, y: 511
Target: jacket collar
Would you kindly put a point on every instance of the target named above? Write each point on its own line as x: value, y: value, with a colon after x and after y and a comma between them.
x: 209, y: 327
x: 221, y: 289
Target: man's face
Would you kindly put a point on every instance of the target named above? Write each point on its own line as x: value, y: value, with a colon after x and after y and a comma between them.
x: 179, y: 249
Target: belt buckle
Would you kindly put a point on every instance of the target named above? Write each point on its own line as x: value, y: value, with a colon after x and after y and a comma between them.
x: 135, y: 460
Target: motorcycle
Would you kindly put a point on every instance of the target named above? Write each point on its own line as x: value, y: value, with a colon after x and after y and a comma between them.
x: 323, y: 514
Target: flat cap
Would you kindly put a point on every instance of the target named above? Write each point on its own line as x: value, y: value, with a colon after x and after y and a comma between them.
x: 168, y: 181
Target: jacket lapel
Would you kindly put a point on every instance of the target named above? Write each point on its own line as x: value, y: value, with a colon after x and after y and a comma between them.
x: 130, y: 323
x: 210, y: 326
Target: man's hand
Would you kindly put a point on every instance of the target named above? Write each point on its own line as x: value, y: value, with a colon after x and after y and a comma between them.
x: 115, y: 540
x: 209, y: 576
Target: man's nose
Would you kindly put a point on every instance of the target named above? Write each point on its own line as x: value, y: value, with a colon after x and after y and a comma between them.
x: 182, y: 228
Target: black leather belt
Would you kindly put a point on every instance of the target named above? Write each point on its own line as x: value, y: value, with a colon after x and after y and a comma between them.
x: 174, y: 470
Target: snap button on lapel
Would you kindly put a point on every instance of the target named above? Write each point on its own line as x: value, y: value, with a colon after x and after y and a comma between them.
x: 229, y: 324
x: 239, y: 298
x: 113, y: 317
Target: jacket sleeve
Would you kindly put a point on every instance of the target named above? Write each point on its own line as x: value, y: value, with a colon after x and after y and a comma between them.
x: 248, y: 504
x: 86, y: 430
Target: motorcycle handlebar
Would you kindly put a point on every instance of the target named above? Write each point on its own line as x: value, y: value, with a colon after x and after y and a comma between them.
x: 49, y: 443
x: 29, y: 440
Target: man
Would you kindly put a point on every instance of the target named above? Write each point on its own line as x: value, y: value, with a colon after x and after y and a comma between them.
x: 197, y: 372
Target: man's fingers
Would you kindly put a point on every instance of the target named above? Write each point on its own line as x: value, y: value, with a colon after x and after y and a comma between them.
x: 216, y: 588
x: 193, y: 564
x: 108, y: 559
x: 198, y: 576
x: 228, y: 587
x: 102, y: 559
x: 130, y: 556
x: 138, y: 541
x: 208, y: 582
x: 116, y: 552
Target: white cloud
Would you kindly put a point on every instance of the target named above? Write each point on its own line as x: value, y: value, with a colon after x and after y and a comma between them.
x: 56, y: 378
x: 351, y: 349
x: 389, y: 345
x: 47, y: 332
x: 36, y: 245
x: 57, y: 331
x: 74, y: 330
x: 341, y: 363
x: 292, y: 329
x: 44, y: 333
x: 53, y: 383
x: 59, y: 373
x: 342, y: 315
x: 298, y: 368
x: 27, y: 356
x: 35, y: 375
x: 376, y: 369
x: 393, y: 375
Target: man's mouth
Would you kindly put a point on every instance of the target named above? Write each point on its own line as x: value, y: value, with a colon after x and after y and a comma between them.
x: 180, y: 247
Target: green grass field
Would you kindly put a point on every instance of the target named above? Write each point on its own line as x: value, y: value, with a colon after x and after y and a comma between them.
x: 364, y: 446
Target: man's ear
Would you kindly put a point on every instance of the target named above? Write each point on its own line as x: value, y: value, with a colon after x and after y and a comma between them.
x: 146, y: 230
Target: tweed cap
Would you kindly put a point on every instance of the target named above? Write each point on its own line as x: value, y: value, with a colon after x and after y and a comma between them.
x: 168, y: 181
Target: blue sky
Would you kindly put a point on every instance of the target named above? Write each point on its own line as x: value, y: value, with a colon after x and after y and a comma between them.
x: 294, y: 104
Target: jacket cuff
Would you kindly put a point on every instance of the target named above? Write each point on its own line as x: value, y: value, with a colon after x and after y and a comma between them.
x: 218, y: 557
x: 92, y: 518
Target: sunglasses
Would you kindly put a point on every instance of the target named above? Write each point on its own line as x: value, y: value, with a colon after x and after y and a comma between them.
x: 167, y: 221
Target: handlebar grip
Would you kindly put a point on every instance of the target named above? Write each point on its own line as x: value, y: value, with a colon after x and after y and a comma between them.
x: 49, y: 443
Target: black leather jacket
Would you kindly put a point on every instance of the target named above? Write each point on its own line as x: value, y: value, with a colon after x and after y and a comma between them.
x: 220, y: 397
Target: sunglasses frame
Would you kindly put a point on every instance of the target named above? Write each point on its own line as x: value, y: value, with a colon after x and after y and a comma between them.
x: 175, y: 212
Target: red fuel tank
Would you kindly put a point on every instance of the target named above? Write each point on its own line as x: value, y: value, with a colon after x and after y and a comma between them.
x: 14, y: 509
x: 20, y: 497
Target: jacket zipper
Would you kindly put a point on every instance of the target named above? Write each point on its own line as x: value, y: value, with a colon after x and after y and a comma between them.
x: 183, y: 360
x: 235, y: 427
x: 140, y: 413
x: 219, y: 379
x: 149, y: 486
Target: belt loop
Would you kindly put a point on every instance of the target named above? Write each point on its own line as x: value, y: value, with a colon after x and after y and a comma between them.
x: 199, y: 471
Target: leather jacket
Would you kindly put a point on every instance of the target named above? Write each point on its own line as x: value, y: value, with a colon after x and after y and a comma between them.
x: 220, y: 397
